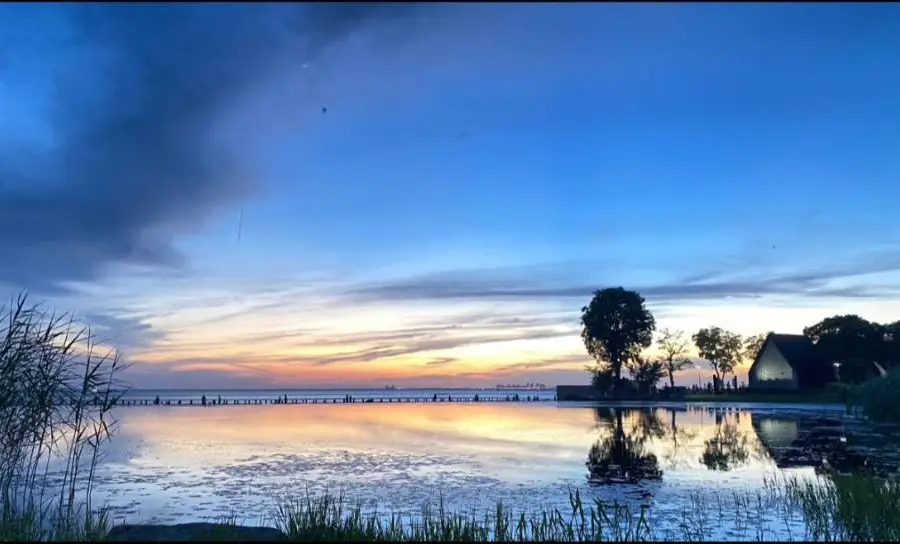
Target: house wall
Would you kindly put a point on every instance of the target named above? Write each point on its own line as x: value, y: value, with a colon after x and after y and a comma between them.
x: 772, y: 371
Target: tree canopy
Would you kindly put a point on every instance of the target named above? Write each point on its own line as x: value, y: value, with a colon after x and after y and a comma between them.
x: 674, y: 348
x: 646, y: 373
x: 615, y: 327
x: 752, y: 345
x: 848, y: 336
x: 855, y: 343
x: 723, y: 349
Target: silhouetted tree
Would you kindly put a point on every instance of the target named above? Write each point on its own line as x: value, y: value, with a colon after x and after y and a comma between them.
x: 674, y: 348
x: 646, y: 373
x: 723, y: 350
x: 601, y: 378
x: 851, y: 341
x: 752, y: 345
x: 615, y: 327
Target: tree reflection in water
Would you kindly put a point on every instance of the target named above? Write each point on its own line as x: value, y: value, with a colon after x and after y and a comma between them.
x: 680, y: 438
x: 620, y: 457
x: 728, y: 448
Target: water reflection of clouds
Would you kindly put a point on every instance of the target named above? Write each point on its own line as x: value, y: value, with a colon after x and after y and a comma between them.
x: 187, y: 463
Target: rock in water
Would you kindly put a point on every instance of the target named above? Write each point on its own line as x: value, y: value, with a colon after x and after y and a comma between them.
x: 194, y: 532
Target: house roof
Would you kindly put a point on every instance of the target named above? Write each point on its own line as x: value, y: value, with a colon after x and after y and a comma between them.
x: 798, y: 350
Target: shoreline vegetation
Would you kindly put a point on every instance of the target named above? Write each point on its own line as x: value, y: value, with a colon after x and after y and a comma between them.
x: 812, y: 397
x: 846, y: 508
x: 59, y: 385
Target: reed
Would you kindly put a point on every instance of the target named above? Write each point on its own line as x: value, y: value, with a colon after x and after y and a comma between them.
x: 57, y: 389
x: 849, y: 508
x: 330, y: 518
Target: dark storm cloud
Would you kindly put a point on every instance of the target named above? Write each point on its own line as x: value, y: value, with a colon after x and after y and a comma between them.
x: 476, y: 284
x: 138, y: 92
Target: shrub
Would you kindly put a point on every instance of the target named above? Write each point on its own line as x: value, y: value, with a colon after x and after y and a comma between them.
x: 879, y: 398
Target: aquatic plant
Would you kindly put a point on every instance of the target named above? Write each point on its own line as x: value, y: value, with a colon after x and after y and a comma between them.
x: 56, y: 393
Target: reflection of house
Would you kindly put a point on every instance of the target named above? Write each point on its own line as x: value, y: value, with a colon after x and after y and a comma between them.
x: 788, y: 361
x: 776, y: 433
x: 781, y: 440
x: 829, y: 445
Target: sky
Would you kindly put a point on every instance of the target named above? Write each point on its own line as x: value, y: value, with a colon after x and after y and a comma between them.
x: 354, y: 195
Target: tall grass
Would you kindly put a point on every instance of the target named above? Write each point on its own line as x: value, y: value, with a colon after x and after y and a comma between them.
x: 742, y: 516
x: 879, y: 398
x: 846, y: 508
x: 849, y: 508
x: 56, y: 393
x: 330, y: 518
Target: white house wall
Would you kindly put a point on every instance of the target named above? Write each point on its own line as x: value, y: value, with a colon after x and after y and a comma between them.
x: 772, y: 371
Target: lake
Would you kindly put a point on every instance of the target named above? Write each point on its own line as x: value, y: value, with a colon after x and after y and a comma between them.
x: 179, y: 463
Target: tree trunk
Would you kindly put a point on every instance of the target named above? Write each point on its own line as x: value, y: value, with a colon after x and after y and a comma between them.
x: 671, y: 378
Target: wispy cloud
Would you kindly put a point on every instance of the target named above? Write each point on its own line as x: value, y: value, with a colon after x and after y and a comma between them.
x: 317, y: 331
x: 741, y: 283
x: 441, y: 361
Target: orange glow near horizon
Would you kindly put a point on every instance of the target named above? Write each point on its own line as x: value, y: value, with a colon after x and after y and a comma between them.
x: 305, y: 341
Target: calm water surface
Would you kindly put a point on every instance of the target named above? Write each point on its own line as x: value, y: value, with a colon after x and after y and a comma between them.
x: 175, y: 464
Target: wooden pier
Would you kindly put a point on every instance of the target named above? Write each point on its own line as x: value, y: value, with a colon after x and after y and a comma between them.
x: 347, y: 399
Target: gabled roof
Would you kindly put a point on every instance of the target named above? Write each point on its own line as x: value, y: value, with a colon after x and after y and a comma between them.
x: 799, y: 351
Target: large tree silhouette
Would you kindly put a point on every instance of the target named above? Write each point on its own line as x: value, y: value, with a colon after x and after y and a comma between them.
x: 615, y: 327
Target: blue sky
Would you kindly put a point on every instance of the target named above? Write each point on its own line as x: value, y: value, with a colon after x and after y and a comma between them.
x: 479, y: 169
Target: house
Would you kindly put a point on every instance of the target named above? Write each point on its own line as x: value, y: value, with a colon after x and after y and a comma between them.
x: 789, y: 362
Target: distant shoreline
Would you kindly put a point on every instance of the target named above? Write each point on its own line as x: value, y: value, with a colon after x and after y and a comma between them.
x: 331, y: 389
